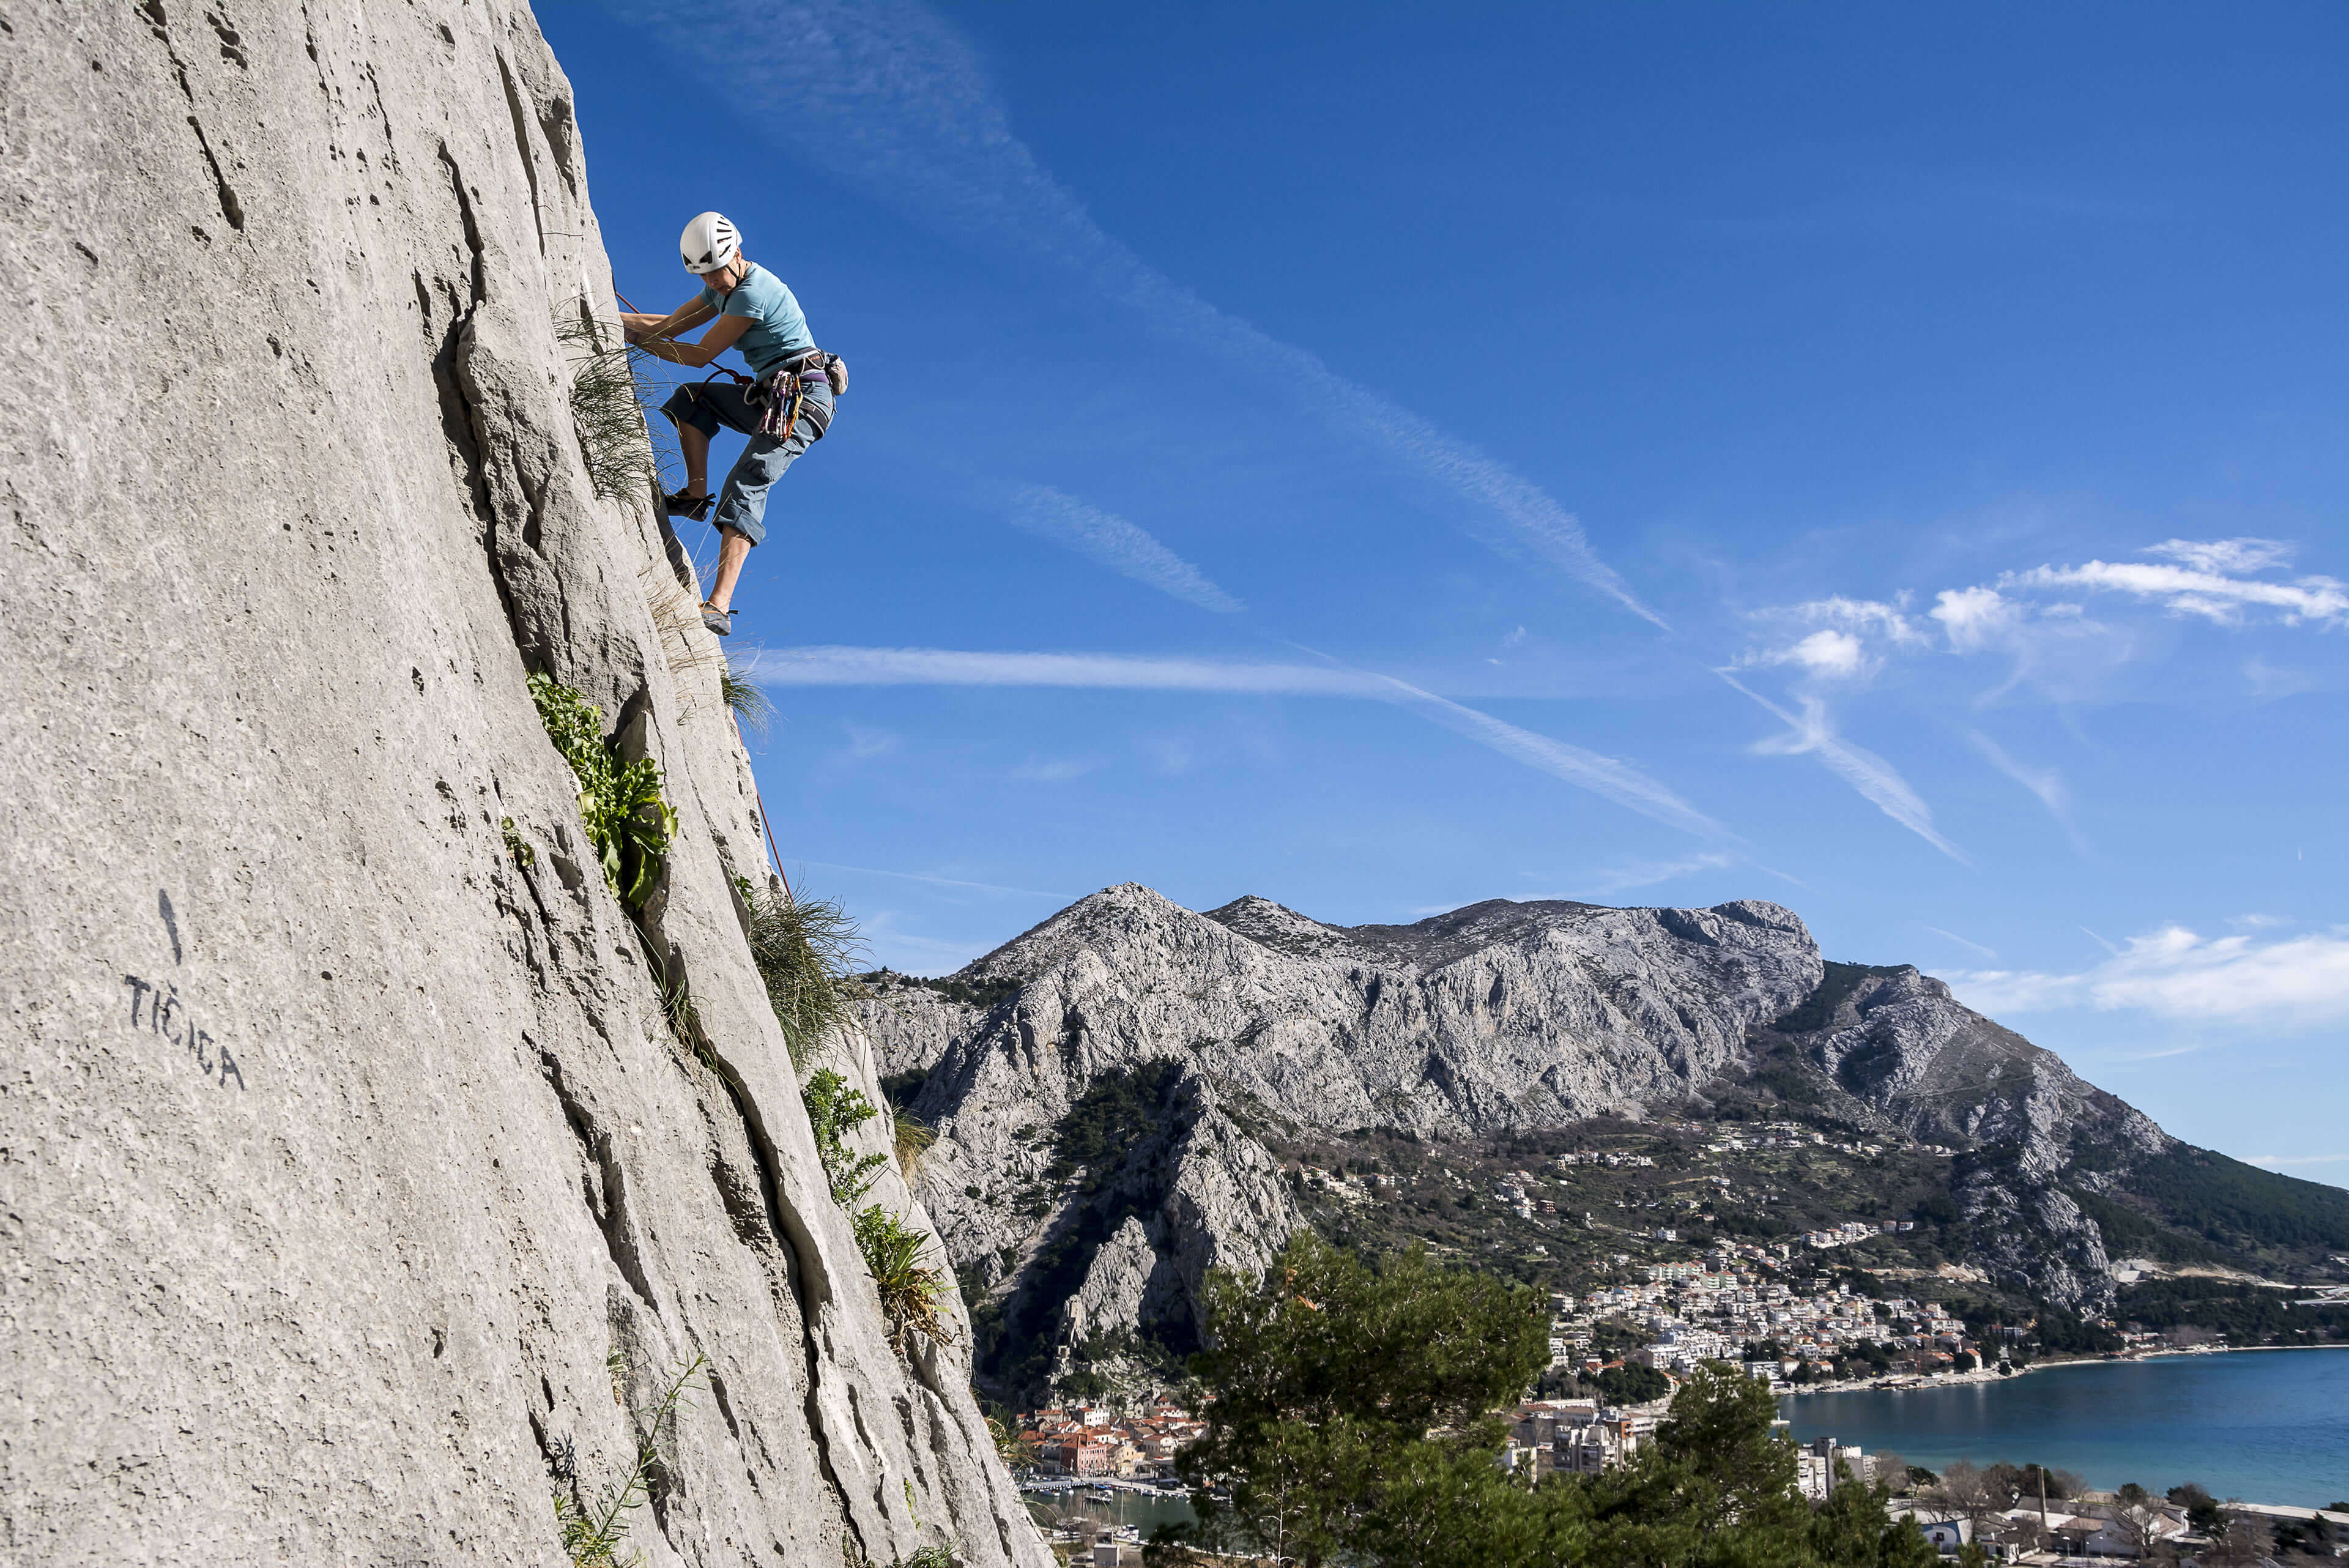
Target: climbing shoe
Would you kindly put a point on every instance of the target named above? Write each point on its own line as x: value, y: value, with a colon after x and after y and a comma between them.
x: 718, y: 621
x: 683, y: 505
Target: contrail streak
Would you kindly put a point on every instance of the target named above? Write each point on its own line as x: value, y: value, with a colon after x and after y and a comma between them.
x: 888, y: 97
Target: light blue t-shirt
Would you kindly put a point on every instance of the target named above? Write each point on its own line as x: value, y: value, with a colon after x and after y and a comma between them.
x: 777, y: 331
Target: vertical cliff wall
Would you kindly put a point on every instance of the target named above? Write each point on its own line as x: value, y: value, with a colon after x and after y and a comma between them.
x: 355, y: 1193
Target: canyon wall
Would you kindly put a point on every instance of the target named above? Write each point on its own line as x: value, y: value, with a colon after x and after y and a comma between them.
x: 358, y: 1191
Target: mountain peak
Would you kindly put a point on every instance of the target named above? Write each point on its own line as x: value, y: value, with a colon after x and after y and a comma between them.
x: 1282, y: 929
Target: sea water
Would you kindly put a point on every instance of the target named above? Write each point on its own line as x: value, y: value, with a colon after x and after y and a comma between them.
x: 2266, y: 1426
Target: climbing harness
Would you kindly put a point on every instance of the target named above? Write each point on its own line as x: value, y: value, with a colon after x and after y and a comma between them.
x: 782, y: 392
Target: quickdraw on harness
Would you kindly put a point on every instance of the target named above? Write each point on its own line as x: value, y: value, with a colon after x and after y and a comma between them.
x: 782, y: 393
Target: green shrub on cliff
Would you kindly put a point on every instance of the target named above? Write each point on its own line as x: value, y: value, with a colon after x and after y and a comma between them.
x: 628, y: 823
x: 893, y: 1251
x: 834, y: 1110
x: 910, y: 1289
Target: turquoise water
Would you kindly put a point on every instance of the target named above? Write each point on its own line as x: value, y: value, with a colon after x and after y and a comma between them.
x: 2268, y: 1425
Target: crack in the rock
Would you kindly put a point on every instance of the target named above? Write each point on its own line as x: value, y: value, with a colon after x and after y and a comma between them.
x: 231, y: 207
x: 521, y: 146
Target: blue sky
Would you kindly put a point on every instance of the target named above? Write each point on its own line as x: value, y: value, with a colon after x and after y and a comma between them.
x: 1887, y: 461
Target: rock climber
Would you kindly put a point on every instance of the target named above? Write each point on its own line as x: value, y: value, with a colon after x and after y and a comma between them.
x: 784, y: 408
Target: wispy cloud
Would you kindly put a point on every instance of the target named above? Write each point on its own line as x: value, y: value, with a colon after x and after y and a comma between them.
x: 837, y: 666
x: 889, y: 97
x: 1605, y: 776
x: 2174, y: 974
x: 2047, y: 784
x: 940, y: 881
x: 1648, y: 873
x: 2296, y: 1158
x: 1989, y: 954
x: 1809, y: 733
x: 1111, y: 541
x: 1625, y: 786
x: 1055, y: 769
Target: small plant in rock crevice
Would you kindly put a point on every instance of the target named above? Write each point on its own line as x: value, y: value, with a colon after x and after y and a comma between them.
x: 910, y: 1289
x: 593, y: 1537
x: 629, y: 823
x: 835, y: 1110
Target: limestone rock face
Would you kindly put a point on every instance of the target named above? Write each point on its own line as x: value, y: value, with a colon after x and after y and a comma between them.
x: 356, y: 1192
x: 1943, y: 1073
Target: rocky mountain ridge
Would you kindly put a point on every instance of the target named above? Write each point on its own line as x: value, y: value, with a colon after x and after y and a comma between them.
x: 1113, y: 1088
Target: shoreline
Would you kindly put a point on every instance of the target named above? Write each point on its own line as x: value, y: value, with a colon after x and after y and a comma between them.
x: 2284, y: 1431
x: 1918, y: 1383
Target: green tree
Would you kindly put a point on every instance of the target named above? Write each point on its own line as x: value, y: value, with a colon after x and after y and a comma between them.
x: 1352, y: 1418
x: 1353, y: 1410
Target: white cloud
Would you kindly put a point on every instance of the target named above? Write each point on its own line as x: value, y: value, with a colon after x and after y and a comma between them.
x: 889, y: 97
x: 2201, y: 588
x: 1810, y: 733
x: 1888, y: 620
x: 1111, y: 541
x: 1976, y: 618
x: 2225, y: 555
x: 2296, y: 1158
x: 1842, y: 648
x: 2174, y: 974
x: 1605, y: 776
x: 1828, y: 652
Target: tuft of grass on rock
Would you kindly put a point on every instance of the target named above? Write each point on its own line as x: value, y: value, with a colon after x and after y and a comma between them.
x: 910, y: 1139
x: 807, y: 951
x: 608, y: 393
x: 753, y: 710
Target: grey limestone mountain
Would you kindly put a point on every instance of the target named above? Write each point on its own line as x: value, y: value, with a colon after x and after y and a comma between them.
x: 355, y: 1194
x: 1106, y: 1084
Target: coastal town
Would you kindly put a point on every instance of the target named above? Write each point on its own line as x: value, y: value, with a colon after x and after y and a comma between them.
x: 1785, y: 1314
x: 1102, y: 1456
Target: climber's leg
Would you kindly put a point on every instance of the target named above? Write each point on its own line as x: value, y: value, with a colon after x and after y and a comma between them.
x: 741, y: 516
x: 698, y: 417
x: 695, y: 445
x: 733, y: 549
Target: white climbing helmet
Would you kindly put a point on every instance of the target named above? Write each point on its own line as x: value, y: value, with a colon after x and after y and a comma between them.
x: 709, y: 242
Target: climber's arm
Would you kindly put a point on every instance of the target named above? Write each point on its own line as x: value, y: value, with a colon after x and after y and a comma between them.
x: 714, y: 342
x: 683, y: 318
